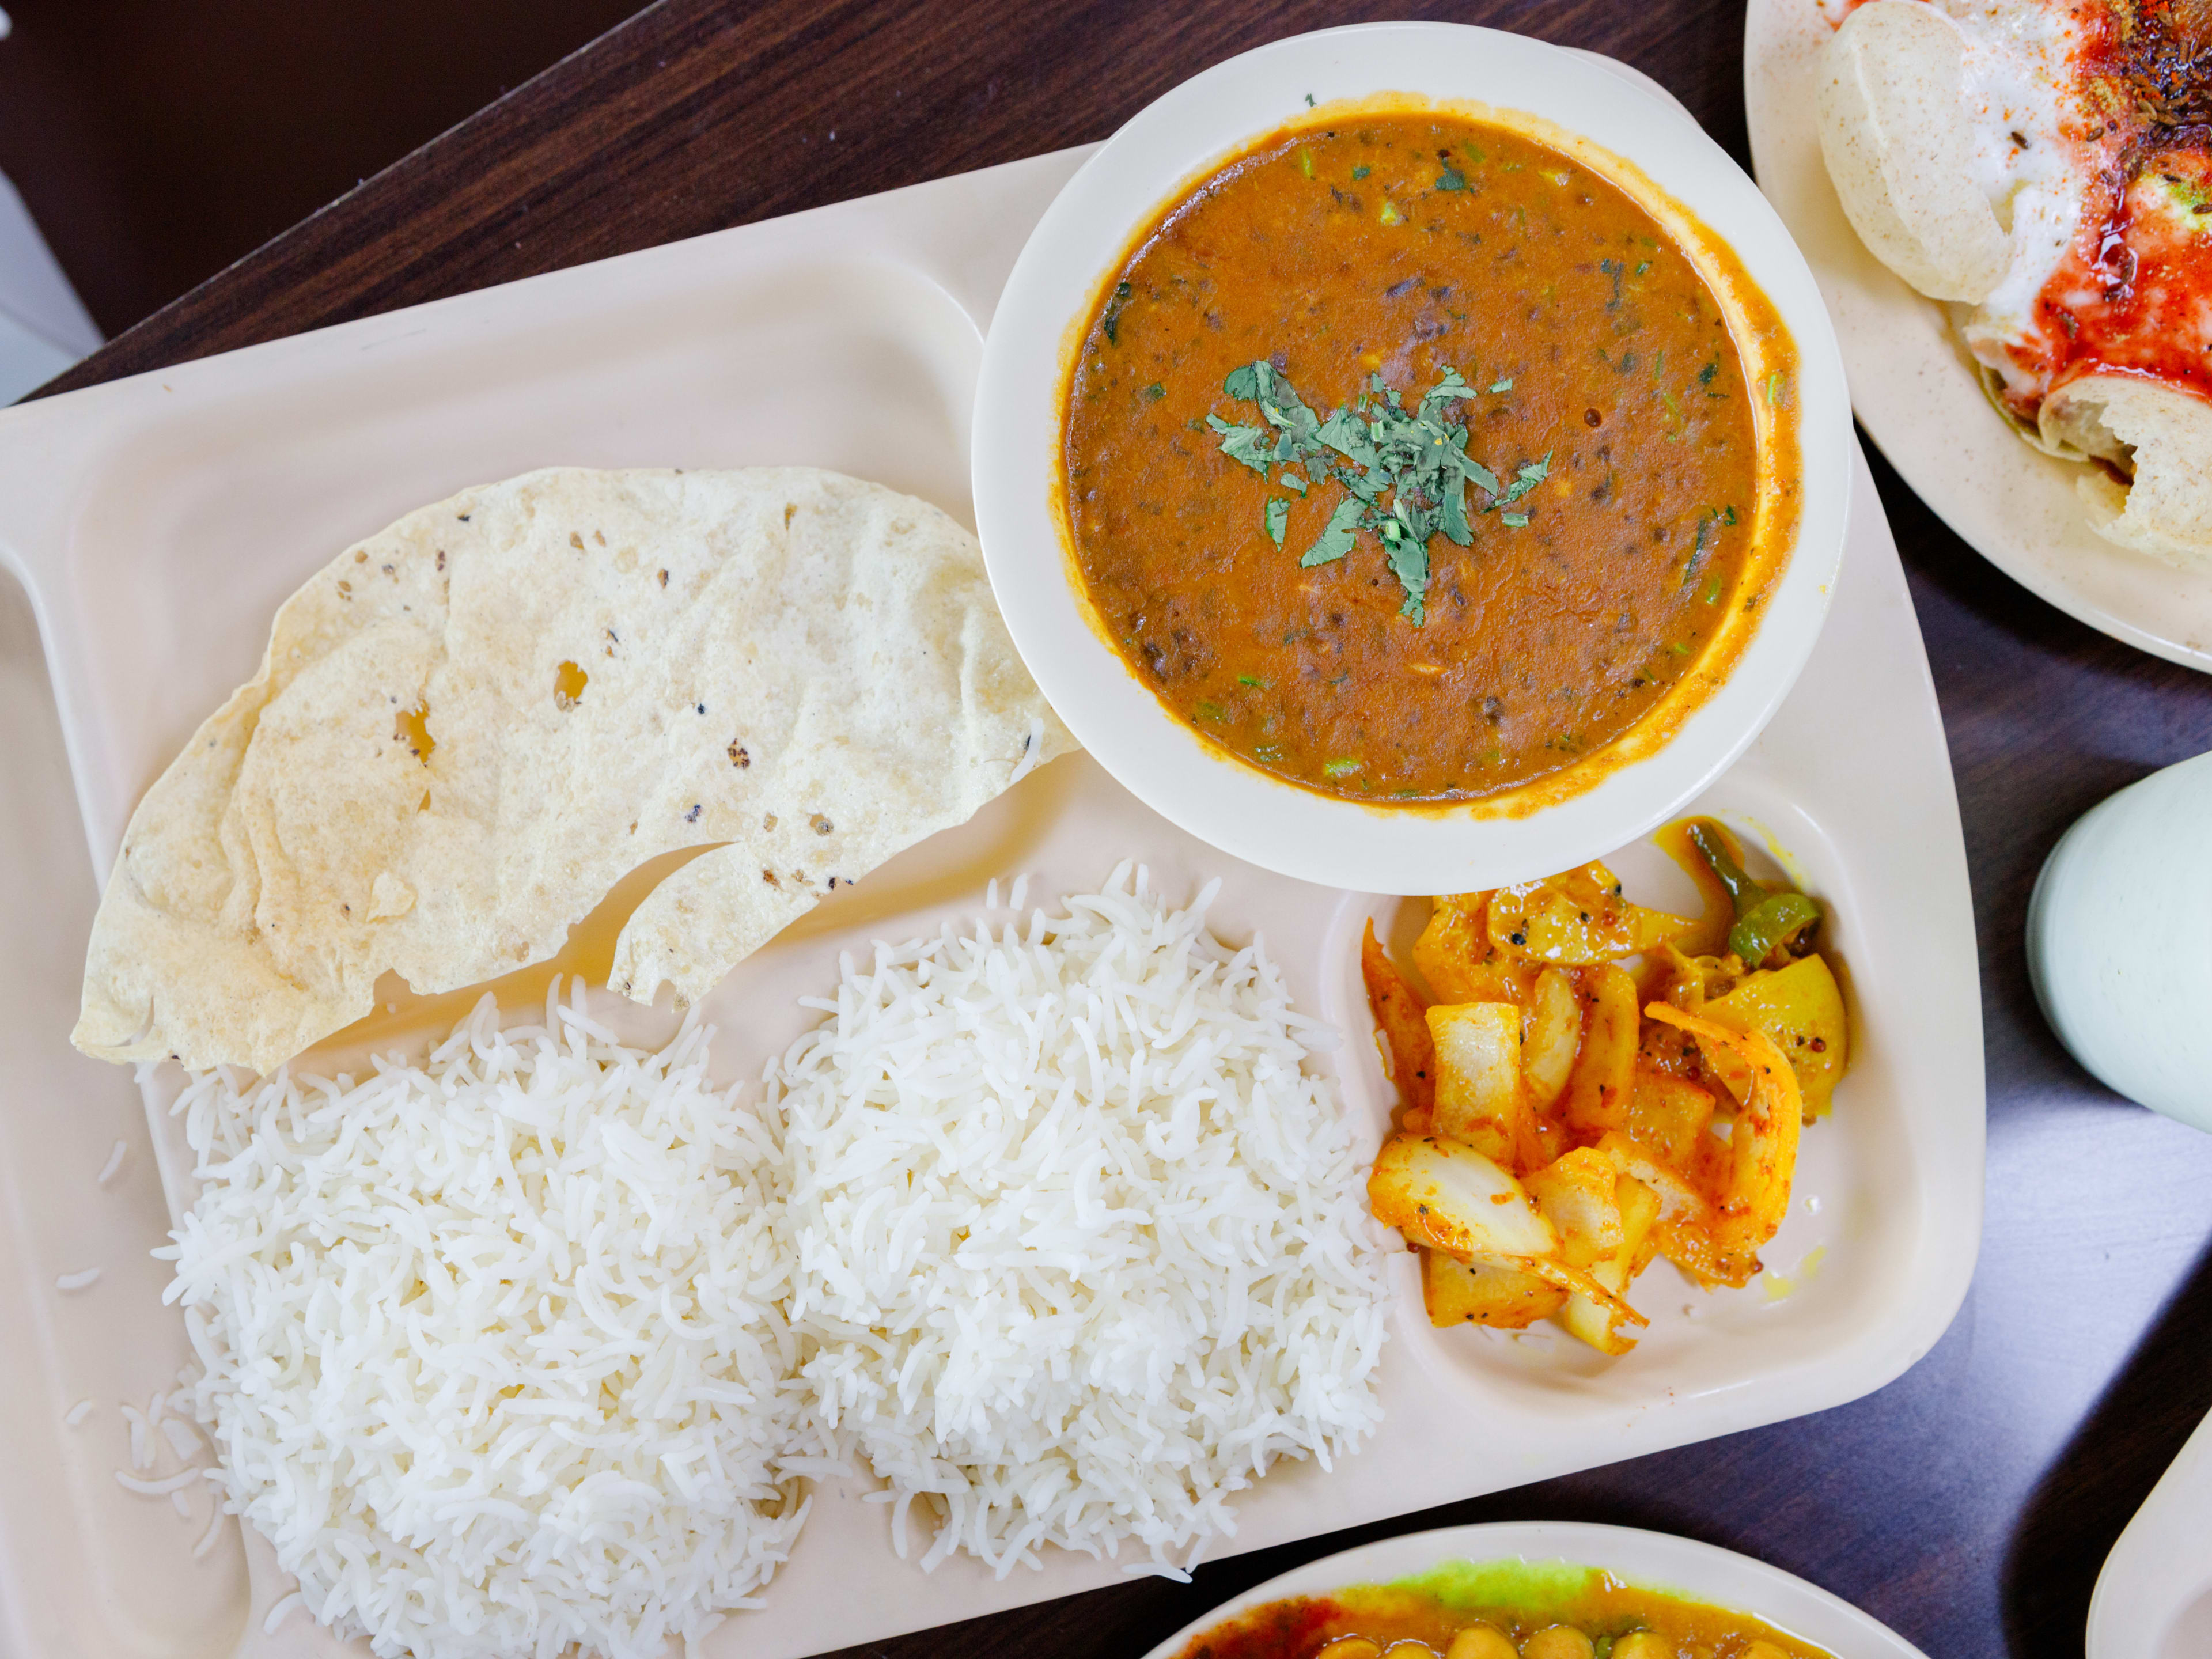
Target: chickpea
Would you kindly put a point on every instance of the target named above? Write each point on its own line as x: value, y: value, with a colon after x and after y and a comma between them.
x: 1407, y: 1648
x: 1642, y: 1644
x: 1350, y: 1647
x: 1558, y: 1642
x: 1481, y: 1642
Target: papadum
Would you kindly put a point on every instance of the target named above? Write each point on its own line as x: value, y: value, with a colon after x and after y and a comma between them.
x: 466, y: 728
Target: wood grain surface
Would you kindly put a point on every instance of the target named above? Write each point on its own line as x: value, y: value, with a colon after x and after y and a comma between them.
x: 1971, y: 1503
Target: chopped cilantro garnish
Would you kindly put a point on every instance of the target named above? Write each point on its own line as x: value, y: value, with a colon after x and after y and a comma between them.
x: 1503, y: 384
x: 1154, y: 392
x: 1339, y: 768
x: 1305, y: 163
x: 1513, y: 520
x: 1252, y: 680
x: 1110, y: 324
x: 1360, y: 172
x: 1212, y: 711
x: 1642, y: 265
x: 1409, y: 563
x: 1705, y: 375
x: 1678, y: 650
x: 1310, y: 102
x: 1335, y: 542
x: 1390, y: 215
x: 1474, y: 153
x: 1252, y: 445
x: 1404, y: 471
x: 1526, y: 479
x: 1451, y: 178
x: 1774, y: 388
x: 1702, y: 540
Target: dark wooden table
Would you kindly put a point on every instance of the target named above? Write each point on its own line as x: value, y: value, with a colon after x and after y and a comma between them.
x: 1971, y: 1503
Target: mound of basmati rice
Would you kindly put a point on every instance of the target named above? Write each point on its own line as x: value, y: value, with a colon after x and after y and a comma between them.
x: 493, y: 1350
x: 1081, y: 1243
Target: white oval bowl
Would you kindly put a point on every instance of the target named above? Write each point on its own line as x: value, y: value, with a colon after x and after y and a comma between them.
x: 1648, y: 1561
x: 1424, y: 848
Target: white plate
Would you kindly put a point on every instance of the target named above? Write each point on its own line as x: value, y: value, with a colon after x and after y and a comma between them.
x: 2153, y: 1598
x: 1611, y: 125
x: 157, y: 522
x: 1648, y: 1561
x: 1915, y: 391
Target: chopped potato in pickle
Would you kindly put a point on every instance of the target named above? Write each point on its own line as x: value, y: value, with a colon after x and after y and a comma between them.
x: 1446, y: 1195
x: 1575, y: 1193
x: 1576, y: 919
x: 1483, y: 1293
x: 1454, y: 954
x: 1399, y: 1013
x: 1550, y: 1036
x: 1598, y: 1089
x: 1596, y: 1324
x: 1478, y: 1080
x: 1763, y: 1149
x: 1602, y: 1084
x: 1668, y: 1114
x: 1801, y: 1008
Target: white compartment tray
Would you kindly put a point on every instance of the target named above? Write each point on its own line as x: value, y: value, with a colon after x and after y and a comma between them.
x: 155, y: 523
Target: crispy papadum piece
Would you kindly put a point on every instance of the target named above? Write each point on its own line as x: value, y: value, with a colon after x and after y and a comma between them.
x: 1895, y: 133
x: 468, y: 726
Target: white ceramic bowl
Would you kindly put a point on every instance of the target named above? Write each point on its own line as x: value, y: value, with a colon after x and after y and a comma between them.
x: 2117, y: 931
x: 1236, y: 807
x: 1652, y: 1560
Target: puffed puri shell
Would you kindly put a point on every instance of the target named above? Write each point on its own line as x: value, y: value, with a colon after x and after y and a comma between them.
x: 2161, y: 436
x: 1896, y: 140
x: 801, y: 670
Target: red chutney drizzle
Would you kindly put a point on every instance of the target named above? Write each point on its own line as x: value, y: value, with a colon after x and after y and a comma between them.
x: 2134, y: 292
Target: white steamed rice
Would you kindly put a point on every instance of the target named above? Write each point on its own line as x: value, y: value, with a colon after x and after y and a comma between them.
x: 1081, y: 1241
x: 494, y: 1351
x: 1054, y: 1230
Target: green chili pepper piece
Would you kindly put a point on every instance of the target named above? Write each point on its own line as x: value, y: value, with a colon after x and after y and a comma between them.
x: 1742, y: 890
x: 1770, y: 923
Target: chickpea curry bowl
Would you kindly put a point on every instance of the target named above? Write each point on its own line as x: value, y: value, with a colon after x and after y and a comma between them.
x: 1421, y: 466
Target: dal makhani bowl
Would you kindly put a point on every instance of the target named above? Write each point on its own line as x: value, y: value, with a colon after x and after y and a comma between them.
x: 1409, y: 456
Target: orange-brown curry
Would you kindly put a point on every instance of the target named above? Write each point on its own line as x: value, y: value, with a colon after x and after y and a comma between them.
x: 1400, y: 247
x: 1603, y: 1618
